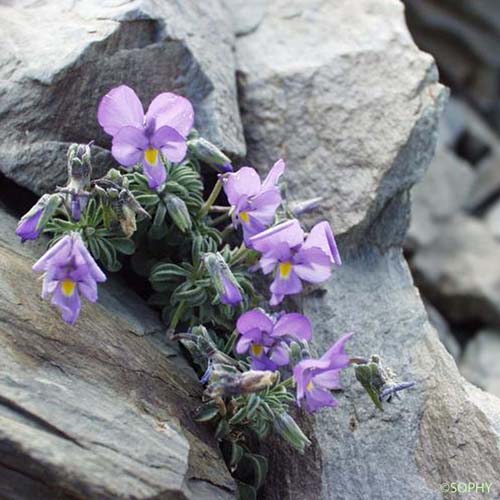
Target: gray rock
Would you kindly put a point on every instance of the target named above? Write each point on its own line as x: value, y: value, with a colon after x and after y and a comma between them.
x: 459, y: 272
x: 94, y: 411
x: 465, y: 130
x: 479, y: 364
x: 53, y: 73
x: 314, y: 88
x: 247, y: 16
x: 464, y: 36
x: 486, y: 186
x: 363, y: 450
x: 323, y: 103
x: 437, y: 320
x: 440, y: 195
x: 492, y: 220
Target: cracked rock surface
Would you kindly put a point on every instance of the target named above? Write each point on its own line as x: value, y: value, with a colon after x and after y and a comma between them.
x: 53, y: 73
x: 98, y: 410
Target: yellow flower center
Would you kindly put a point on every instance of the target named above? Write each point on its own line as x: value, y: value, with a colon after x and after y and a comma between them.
x: 151, y: 156
x: 68, y: 287
x: 310, y: 386
x: 245, y: 217
x: 285, y: 269
x: 257, y: 349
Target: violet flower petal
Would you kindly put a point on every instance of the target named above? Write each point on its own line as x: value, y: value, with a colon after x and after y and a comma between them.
x: 264, y: 206
x: 293, y: 325
x: 232, y: 294
x: 274, y: 175
x: 62, y: 247
x: 321, y: 236
x: 94, y: 270
x: 279, y: 355
x: 256, y: 318
x: 286, y: 286
x: 244, y: 182
x: 26, y: 228
x: 329, y: 379
x: 313, y: 266
x: 318, y: 398
x: 288, y: 232
x: 171, y: 143
x: 120, y: 107
x: 129, y: 145
x: 69, y: 306
x: 276, y: 299
x: 336, y: 355
x: 156, y: 175
x: 172, y: 110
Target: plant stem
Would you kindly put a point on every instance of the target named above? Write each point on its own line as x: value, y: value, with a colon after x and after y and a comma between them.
x: 228, y: 347
x: 218, y: 220
x: 289, y: 382
x: 220, y: 209
x: 226, y: 231
x: 358, y: 361
x: 177, y: 316
x: 240, y: 255
x: 211, y: 199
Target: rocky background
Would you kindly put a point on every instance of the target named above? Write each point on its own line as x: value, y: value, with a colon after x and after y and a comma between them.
x: 453, y: 243
x: 339, y: 89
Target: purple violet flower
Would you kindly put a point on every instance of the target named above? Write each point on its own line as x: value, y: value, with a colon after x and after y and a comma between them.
x: 284, y: 250
x: 253, y: 202
x: 32, y: 223
x: 223, y: 280
x: 315, y: 378
x: 27, y: 228
x: 69, y: 270
x: 267, y: 340
x: 139, y: 137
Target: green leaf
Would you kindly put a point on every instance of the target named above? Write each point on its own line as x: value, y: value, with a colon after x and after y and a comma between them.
x: 94, y: 248
x: 158, y: 228
x: 253, y: 404
x: 148, y: 200
x: 288, y: 429
x: 108, y: 255
x: 123, y: 245
x: 260, y: 467
x: 168, y: 272
x: 63, y: 225
x: 237, y: 453
x: 207, y: 412
x: 239, y: 416
x: 222, y: 430
x: 368, y: 375
x: 246, y: 491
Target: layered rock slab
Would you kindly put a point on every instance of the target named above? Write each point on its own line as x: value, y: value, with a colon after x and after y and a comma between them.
x: 99, y: 410
x: 459, y: 271
x: 53, y: 73
x: 340, y: 90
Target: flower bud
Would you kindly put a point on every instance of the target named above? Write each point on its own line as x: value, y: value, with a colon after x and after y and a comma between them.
x: 378, y: 380
x: 32, y: 223
x: 288, y: 429
x: 210, y: 154
x: 126, y: 208
x: 224, y: 381
x: 223, y: 280
x: 79, y: 167
x: 178, y: 211
x: 305, y: 206
x: 257, y: 380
